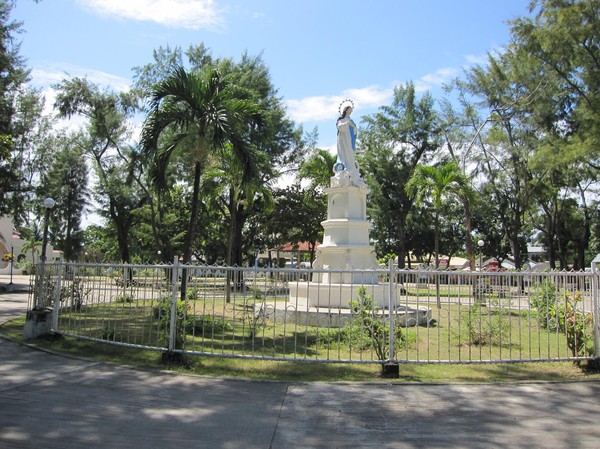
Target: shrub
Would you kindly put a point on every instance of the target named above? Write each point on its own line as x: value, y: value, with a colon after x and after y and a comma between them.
x: 367, y: 321
x: 368, y: 328
x: 351, y: 335
x: 162, y: 312
x: 576, y: 325
x: 124, y: 299
x: 25, y: 266
x: 206, y: 324
x: 544, y: 299
x: 486, y: 328
x: 192, y: 294
x: 107, y: 334
x: 72, y: 294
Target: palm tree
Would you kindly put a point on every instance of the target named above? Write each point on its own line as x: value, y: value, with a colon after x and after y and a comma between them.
x: 33, y: 239
x: 236, y: 196
x: 318, y: 168
x: 197, y: 112
x: 31, y: 244
x: 437, y: 183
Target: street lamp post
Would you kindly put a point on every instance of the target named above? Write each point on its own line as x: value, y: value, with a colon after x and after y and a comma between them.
x: 38, y: 321
x: 479, y: 285
x: 49, y: 203
x: 480, y: 243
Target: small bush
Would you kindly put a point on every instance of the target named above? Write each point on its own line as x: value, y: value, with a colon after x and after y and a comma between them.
x: 487, y: 328
x: 369, y: 328
x: 25, y: 266
x: 544, y: 299
x: 576, y: 325
x: 206, y: 324
x: 124, y: 299
x: 369, y: 325
x: 192, y: 294
x: 162, y: 312
x: 187, y: 324
x: 107, y: 334
x: 349, y: 336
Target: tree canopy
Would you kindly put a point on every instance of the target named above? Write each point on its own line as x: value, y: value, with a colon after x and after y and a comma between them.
x: 510, y: 154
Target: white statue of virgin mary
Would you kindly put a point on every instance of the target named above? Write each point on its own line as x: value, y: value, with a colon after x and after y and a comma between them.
x: 346, y: 167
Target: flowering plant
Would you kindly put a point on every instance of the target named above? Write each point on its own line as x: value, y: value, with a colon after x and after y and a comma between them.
x: 568, y: 317
x: 8, y: 257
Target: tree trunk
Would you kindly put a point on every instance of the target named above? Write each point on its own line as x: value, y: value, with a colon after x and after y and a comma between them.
x: 191, y: 233
x: 402, y: 242
x: 235, y: 280
x: 436, y: 243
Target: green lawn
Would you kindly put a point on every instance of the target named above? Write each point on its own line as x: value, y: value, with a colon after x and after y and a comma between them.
x: 462, y: 332
x: 302, y: 371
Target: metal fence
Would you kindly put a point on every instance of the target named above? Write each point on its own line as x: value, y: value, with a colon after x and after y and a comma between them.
x: 312, y: 315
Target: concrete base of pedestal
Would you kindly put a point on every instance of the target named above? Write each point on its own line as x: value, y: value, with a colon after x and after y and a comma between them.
x: 340, y: 295
x: 318, y: 305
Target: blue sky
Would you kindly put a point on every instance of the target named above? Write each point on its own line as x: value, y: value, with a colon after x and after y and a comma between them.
x: 319, y: 51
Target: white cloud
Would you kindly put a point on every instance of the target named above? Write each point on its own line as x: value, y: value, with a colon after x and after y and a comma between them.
x: 55, y: 73
x: 326, y: 107
x: 368, y: 97
x: 476, y: 59
x: 312, y: 108
x: 192, y: 14
x: 436, y: 79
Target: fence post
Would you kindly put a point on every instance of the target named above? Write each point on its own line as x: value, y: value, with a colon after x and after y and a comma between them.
x: 173, y: 321
x: 594, y: 270
x: 390, y: 368
x: 391, y: 310
x: 57, y: 296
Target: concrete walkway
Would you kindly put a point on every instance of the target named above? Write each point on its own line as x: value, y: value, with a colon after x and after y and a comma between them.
x: 50, y: 401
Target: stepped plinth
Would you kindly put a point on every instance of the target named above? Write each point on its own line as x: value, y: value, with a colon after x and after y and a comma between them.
x: 346, y: 259
x: 346, y: 239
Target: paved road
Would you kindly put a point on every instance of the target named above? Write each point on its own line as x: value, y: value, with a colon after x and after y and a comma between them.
x: 50, y: 401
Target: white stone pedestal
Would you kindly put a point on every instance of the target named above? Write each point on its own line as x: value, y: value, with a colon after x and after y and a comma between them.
x: 346, y: 238
x: 345, y: 262
x: 345, y: 256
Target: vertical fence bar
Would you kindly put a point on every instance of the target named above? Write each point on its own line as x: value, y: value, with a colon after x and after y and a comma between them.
x: 391, y: 310
x: 173, y: 320
x: 594, y: 271
x: 57, y: 295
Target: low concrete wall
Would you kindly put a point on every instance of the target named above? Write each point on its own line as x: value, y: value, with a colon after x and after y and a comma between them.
x: 409, y: 317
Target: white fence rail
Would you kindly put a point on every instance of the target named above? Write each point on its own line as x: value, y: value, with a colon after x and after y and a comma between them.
x: 297, y: 314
